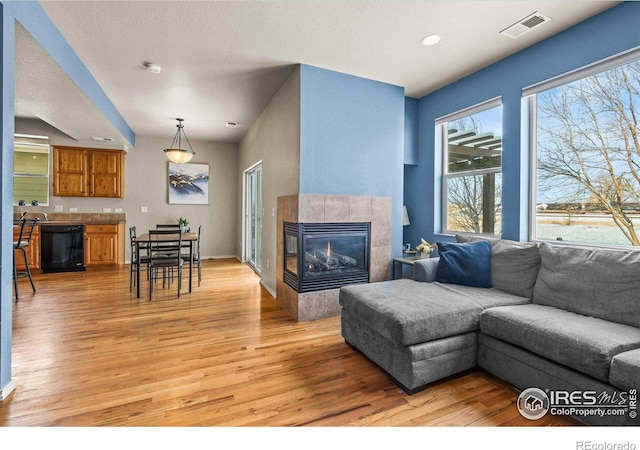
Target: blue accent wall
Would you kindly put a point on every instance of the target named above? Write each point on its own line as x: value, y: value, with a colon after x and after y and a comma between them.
x: 611, y: 32
x: 411, y: 131
x: 352, y: 139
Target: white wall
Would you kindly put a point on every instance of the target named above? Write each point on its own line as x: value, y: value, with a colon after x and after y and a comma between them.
x: 146, y: 185
x: 273, y: 139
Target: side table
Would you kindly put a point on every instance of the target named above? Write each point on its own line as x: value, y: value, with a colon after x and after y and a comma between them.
x: 400, y: 262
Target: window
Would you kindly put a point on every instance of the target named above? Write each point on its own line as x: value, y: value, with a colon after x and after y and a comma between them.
x: 31, y: 170
x: 472, y: 172
x: 587, y: 155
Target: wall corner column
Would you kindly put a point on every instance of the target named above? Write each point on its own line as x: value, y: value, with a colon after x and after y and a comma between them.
x: 7, y: 94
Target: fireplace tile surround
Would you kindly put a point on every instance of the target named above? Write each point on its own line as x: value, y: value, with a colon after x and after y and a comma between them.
x: 313, y: 208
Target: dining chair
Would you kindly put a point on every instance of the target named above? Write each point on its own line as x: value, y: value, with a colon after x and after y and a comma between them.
x: 186, y: 247
x: 164, y: 254
x: 136, y: 258
x: 174, y: 227
x: 27, y: 226
x: 167, y: 226
x: 196, y: 255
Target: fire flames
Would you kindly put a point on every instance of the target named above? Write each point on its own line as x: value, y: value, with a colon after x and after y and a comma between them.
x: 326, y: 260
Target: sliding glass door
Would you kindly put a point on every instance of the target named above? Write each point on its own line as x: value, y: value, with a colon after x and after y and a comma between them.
x: 253, y: 216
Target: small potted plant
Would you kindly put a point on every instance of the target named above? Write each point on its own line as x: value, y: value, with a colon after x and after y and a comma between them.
x: 424, y: 249
x: 183, y: 224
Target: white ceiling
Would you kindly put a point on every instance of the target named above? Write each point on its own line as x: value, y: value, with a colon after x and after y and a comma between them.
x: 224, y: 60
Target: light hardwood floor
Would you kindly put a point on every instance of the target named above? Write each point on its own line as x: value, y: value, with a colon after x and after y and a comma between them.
x: 86, y: 352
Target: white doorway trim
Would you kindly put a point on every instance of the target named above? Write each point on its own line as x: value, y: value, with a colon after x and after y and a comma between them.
x: 252, y: 213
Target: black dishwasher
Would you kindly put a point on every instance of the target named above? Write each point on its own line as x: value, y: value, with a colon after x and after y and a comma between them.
x: 62, y: 248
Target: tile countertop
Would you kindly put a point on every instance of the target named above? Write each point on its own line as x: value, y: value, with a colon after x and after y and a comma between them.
x: 75, y: 218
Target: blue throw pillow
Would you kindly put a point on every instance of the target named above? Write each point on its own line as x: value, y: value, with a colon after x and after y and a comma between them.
x: 467, y: 264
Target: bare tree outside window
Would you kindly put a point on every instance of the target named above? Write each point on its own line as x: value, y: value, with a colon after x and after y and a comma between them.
x: 475, y: 203
x: 588, y: 156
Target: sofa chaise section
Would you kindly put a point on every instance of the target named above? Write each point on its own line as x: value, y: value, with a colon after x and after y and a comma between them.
x: 411, y: 367
x: 407, y: 313
x: 417, y: 332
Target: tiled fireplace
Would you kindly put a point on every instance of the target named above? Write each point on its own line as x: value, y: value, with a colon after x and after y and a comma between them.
x: 328, y: 241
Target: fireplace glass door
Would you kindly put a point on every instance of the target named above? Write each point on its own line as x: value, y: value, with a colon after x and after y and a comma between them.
x: 328, y: 256
x: 291, y: 253
x: 322, y: 256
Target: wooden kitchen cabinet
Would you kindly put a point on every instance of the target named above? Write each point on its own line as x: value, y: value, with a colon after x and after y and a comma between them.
x: 86, y: 172
x: 33, y: 251
x: 102, y: 245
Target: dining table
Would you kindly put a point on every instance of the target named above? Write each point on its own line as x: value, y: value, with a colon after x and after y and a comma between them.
x: 188, y: 239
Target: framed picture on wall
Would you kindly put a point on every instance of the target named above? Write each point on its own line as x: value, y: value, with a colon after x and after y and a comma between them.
x: 188, y: 184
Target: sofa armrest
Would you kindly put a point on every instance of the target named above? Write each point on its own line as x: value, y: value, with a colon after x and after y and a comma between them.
x: 425, y: 269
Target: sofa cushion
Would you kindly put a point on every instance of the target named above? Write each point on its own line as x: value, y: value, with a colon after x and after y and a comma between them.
x: 601, y: 283
x: 514, y: 265
x: 465, y: 264
x: 625, y: 370
x: 408, y: 312
x: 586, y: 344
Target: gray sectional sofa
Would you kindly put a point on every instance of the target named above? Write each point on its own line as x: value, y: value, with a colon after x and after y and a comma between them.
x: 553, y: 317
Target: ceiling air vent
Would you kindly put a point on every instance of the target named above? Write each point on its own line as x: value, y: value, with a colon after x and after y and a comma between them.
x: 527, y: 24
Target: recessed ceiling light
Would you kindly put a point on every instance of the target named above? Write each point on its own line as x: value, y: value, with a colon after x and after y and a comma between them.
x: 231, y: 124
x: 432, y: 39
x: 152, y: 68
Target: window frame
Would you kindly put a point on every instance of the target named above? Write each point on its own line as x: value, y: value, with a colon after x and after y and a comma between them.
x: 530, y: 96
x: 441, y: 132
x: 23, y: 143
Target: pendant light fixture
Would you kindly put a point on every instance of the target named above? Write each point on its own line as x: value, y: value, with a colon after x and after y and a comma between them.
x: 176, y: 153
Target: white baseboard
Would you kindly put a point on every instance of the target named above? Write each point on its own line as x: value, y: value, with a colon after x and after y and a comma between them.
x: 221, y: 257
x: 269, y: 289
x: 7, y: 390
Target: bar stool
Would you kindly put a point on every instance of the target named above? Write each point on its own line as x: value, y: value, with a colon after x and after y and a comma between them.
x: 24, y: 240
